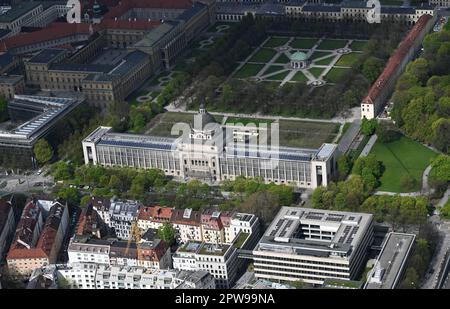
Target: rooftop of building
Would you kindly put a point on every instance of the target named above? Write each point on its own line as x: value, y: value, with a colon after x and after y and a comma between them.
x: 155, y: 213
x: 17, y: 11
x: 391, y: 261
x: 23, y: 246
x: 203, y: 248
x: 154, y: 36
x: 288, y: 232
x: 186, y: 216
x: 5, y: 209
x: 395, y: 60
x: 53, y: 106
x: 47, y: 55
x: 53, y: 31
x: 124, y: 207
x: 10, y: 79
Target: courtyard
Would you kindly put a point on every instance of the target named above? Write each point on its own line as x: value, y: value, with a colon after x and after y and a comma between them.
x: 314, y: 61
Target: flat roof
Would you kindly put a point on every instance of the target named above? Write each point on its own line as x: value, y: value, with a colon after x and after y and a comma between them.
x: 17, y: 11
x: 344, y: 230
x: 391, y: 261
x: 54, y: 106
x: 46, y: 55
x: 156, y: 34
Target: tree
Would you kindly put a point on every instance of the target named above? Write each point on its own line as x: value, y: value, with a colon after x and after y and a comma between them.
x: 407, y: 182
x: 263, y: 204
x: 167, y: 233
x: 386, y: 133
x: 70, y: 195
x: 368, y: 127
x: 411, y: 279
x: 344, y: 166
x: 372, y: 68
x: 420, y: 69
x: 85, y: 200
x: 43, y: 151
x: 3, y: 109
x: 62, y: 170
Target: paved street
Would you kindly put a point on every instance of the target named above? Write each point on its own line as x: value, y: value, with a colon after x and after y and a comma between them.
x: 25, y: 183
x: 365, y: 152
x: 438, y: 259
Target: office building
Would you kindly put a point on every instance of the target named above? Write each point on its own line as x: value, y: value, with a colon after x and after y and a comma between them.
x: 313, y: 245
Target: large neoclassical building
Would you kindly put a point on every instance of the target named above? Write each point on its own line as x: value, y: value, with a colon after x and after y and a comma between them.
x: 211, y: 152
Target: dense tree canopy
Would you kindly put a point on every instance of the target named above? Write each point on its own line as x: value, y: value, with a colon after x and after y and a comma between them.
x: 43, y: 151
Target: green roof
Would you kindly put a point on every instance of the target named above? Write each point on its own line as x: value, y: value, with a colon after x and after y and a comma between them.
x: 299, y: 56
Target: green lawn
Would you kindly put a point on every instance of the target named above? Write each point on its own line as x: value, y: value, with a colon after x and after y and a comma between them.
x: 316, y: 71
x: 163, y: 123
x: 279, y: 76
x: 273, y: 69
x: 347, y: 60
x: 282, y: 59
x: 299, y: 77
x: 330, y: 44
x: 335, y: 75
x: 303, y: 43
x: 245, y: 121
x: 249, y: 70
x: 307, y: 134
x: 263, y: 55
x: 358, y: 45
x: 276, y: 42
x: 319, y: 54
x: 325, y: 61
x: 402, y: 157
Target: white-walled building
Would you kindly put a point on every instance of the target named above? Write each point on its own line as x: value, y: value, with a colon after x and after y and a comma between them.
x: 312, y: 245
x: 210, y: 153
x: 122, y: 213
x: 221, y: 261
x: 89, y: 251
x: 96, y: 276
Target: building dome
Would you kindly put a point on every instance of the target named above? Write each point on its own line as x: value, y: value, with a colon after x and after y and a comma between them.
x: 205, y: 116
x: 299, y: 56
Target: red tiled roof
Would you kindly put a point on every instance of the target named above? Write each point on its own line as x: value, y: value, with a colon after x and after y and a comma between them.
x: 154, y: 254
x: 131, y: 25
x: 155, y: 213
x: 178, y: 217
x: 54, y: 31
x: 396, y: 59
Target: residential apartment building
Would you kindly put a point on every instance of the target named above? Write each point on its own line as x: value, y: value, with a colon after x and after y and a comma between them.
x: 94, y: 276
x: 7, y: 226
x: 122, y: 213
x: 208, y: 225
x: 154, y: 254
x: 153, y: 217
x: 221, y: 261
x: 39, y: 236
x: 313, y: 245
x: 187, y: 223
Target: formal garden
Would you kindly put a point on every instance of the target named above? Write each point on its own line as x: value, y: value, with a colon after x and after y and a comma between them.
x: 314, y: 61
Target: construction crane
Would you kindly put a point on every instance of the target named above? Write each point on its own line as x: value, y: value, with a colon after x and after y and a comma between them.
x: 135, y: 234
